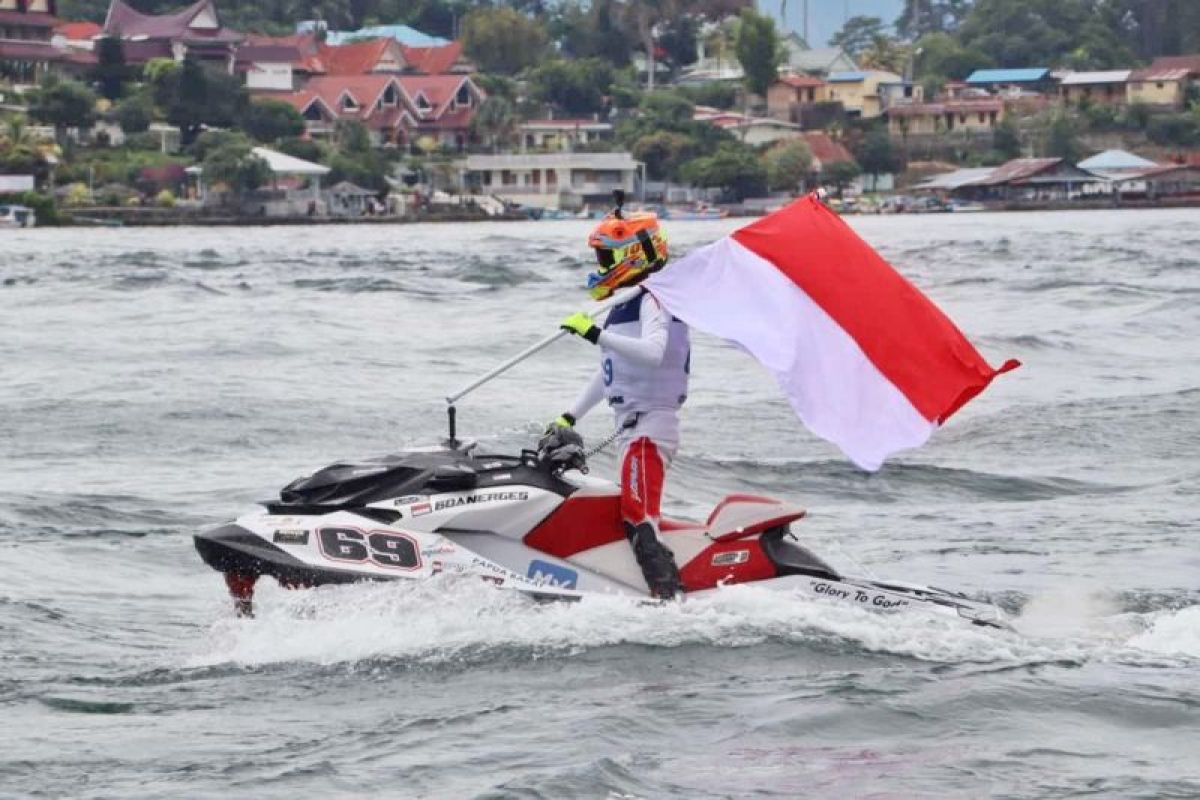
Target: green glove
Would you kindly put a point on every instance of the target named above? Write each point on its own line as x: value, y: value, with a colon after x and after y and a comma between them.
x: 581, y: 324
x: 564, y: 421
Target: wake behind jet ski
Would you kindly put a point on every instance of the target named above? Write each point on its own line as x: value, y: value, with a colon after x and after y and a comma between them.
x: 532, y: 522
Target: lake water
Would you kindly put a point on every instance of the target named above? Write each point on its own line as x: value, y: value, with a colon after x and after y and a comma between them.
x: 156, y: 382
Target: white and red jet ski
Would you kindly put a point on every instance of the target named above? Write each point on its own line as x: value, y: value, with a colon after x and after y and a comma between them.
x: 528, y: 523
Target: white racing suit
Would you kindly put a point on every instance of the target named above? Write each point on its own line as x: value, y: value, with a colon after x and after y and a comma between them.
x: 645, y: 361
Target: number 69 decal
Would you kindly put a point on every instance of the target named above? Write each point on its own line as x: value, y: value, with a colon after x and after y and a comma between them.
x: 391, y: 550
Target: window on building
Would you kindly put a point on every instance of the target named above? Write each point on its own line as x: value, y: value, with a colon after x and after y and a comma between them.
x: 463, y: 98
x: 390, y: 96
x: 423, y: 103
x: 349, y: 103
x: 313, y: 113
x: 982, y: 117
x: 536, y: 177
x: 1160, y: 84
x: 508, y: 178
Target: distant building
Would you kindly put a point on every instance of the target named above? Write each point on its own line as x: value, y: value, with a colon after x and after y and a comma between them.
x: 27, y: 53
x: 792, y: 92
x: 751, y: 130
x: 925, y: 119
x: 1099, y: 88
x: 194, y: 32
x: 77, y: 35
x: 865, y: 93
x: 276, y: 62
x: 825, y: 150
x: 563, y: 134
x: 1035, y: 79
x: 552, y: 180
x: 267, y: 65
x: 799, y: 57
x: 399, y: 110
x: 1114, y: 163
x: 1165, y: 82
x: 1032, y: 179
x: 404, y: 34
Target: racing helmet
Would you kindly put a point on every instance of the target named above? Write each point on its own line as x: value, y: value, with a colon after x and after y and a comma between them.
x: 628, y: 249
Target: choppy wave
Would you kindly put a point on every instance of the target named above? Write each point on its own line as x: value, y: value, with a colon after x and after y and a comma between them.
x: 463, y: 624
x: 157, y: 382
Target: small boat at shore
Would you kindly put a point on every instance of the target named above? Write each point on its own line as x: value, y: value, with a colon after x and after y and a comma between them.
x: 698, y: 212
x: 13, y: 216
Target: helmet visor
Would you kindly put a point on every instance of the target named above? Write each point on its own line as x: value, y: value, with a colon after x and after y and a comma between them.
x: 605, y: 257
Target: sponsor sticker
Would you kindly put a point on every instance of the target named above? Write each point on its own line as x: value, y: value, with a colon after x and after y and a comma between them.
x: 290, y: 536
x: 420, y: 509
x: 476, y: 499
x: 409, y: 499
x: 544, y: 573
x: 730, y: 558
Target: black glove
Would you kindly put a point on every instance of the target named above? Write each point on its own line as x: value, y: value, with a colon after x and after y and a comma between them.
x: 561, y: 448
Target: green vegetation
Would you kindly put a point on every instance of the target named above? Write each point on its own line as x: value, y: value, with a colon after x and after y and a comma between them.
x: 501, y: 40
x: 788, y: 163
x: 64, y: 104
x: 616, y: 60
x: 758, y: 50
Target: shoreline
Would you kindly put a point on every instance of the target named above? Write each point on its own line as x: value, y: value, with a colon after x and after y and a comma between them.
x: 164, y: 218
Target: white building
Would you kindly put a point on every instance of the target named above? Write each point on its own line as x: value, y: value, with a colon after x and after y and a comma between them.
x: 563, y: 134
x: 551, y: 180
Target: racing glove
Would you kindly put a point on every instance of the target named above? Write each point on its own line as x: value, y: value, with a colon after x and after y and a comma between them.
x: 565, y: 420
x: 581, y: 324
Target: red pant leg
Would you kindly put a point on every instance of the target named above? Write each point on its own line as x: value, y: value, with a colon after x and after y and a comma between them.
x: 642, y: 476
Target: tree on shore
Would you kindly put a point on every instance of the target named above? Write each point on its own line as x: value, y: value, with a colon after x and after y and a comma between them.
x: 64, y: 104
x: 269, y: 120
x: 232, y: 162
x: 1062, y: 138
x: 734, y: 167
x: 577, y: 87
x: 858, y: 34
x: 840, y: 174
x: 495, y: 122
x: 502, y: 40
x: 111, y: 72
x: 788, y: 163
x: 135, y: 113
x: 758, y: 51
x: 1006, y: 139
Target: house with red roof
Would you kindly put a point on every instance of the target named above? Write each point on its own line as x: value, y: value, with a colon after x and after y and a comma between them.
x: 194, y: 32
x: 825, y: 150
x: 397, y: 110
x: 76, y: 35
x: 287, y: 63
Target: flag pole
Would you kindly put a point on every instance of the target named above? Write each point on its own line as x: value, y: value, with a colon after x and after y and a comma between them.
x: 616, y: 299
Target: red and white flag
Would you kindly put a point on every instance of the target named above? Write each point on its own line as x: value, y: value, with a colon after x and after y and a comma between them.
x: 867, y: 361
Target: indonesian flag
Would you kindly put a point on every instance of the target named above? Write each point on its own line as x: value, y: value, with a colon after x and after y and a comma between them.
x: 866, y: 361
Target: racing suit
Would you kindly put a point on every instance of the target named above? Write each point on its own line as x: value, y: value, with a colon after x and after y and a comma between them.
x: 643, y: 375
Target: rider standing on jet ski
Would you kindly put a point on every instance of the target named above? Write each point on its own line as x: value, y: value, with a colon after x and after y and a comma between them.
x: 645, y: 357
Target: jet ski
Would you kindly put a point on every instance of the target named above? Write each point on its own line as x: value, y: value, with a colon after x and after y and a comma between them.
x: 535, y: 523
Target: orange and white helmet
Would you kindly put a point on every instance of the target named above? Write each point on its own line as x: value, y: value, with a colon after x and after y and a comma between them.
x: 628, y: 249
